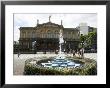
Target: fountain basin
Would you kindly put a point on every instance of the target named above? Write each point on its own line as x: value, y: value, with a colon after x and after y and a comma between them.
x: 61, y: 62
x: 48, y: 67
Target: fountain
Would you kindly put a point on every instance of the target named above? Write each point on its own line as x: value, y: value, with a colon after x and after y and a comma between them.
x: 59, y: 65
x: 61, y: 61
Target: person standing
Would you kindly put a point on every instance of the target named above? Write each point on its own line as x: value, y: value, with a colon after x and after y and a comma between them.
x: 73, y: 53
x: 82, y: 53
x: 18, y: 53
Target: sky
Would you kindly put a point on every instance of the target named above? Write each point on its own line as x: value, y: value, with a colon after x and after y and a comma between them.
x: 68, y: 20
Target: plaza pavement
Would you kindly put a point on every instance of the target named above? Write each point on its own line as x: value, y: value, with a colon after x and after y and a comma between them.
x: 19, y: 62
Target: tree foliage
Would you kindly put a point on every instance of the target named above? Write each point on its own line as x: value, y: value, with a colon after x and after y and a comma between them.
x: 88, y: 40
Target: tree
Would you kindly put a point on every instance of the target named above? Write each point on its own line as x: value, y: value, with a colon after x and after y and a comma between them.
x: 82, y: 40
x: 88, y: 41
x: 92, y: 39
x: 16, y: 46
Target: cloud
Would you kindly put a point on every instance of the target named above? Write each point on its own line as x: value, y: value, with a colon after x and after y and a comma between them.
x: 16, y: 33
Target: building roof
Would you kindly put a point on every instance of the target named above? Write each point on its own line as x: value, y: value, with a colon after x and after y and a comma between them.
x: 71, y: 29
x: 49, y: 24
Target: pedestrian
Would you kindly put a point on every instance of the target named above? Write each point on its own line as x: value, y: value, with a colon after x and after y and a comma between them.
x: 18, y: 53
x: 82, y: 53
x: 73, y: 53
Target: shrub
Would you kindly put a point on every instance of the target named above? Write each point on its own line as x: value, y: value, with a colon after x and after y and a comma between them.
x: 89, y: 68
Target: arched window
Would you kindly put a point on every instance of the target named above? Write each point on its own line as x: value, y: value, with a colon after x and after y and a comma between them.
x: 49, y: 34
x: 28, y: 34
x: 24, y: 35
x: 56, y: 34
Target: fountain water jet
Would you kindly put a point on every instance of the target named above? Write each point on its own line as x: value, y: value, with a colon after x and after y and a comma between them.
x: 60, y: 41
x: 61, y: 54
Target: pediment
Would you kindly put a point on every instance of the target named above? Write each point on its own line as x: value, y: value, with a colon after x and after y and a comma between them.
x: 49, y: 24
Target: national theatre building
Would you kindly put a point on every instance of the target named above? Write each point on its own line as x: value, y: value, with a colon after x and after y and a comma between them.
x: 45, y: 37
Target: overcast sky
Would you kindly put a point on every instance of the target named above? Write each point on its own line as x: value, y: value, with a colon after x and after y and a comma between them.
x: 68, y: 20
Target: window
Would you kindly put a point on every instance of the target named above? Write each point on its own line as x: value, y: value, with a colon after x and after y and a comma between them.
x: 24, y: 34
x: 48, y: 34
x: 28, y: 34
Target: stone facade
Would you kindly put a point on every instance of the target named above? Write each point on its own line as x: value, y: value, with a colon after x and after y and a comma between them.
x: 46, y: 36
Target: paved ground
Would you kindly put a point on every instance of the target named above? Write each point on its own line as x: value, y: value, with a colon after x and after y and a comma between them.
x: 19, y: 61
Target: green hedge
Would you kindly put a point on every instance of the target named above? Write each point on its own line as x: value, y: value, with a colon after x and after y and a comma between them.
x: 32, y: 70
x: 88, y: 69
